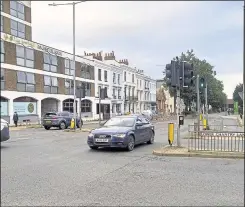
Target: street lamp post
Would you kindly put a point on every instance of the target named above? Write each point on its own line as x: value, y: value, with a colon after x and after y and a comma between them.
x: 74, y: 52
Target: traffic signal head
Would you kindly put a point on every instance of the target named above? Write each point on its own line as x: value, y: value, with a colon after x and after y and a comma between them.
x: 168, y: 74
x: 202, y: 83
x: 187, y: 74
x: 171, y: 74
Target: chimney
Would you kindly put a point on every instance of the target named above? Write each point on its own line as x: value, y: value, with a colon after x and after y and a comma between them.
x: 110, y: 56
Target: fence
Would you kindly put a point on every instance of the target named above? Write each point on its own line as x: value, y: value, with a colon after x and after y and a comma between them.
x: 215, y: 140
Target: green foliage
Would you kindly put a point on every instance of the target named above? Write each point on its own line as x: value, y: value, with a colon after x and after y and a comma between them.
x: 216, y: 96
x: 236, y: 97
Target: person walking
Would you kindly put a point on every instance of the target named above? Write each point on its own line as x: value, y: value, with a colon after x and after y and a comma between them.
x: 15, y: 118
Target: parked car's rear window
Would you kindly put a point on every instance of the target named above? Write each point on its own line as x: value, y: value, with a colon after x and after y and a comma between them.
x: 50, y: 114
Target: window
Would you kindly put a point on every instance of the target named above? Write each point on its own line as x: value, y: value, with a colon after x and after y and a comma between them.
x: 25, y: 82
x: 69, y: 67
x: 25, y: 56
x: 50, y: 62
x: 114, y: 77
x: 2, y: 79
x: 140, y: 83
x: 17, y: 10
x: 50, y: 84
x: 17, y: 29
x: 118, y: 79
x: 2, y: 52
x: 105, y: 76
x: 125, y: 78
x: 1, y: 20
x: 86, y: 106
x: 119, y: 93
x: 99, y: 74
x: 69, y: 86
x: 114, y: 93
x: 85, y: 72
x: 132, y: 78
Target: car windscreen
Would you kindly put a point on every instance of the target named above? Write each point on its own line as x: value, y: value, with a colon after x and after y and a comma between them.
x: 120, y: 122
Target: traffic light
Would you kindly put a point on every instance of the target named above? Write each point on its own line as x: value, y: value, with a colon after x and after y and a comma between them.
x: 202, y: 83
x: 171, y: 74
x: 186, y: 74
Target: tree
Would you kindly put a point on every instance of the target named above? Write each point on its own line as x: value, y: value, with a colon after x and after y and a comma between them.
x: 236, y: 97
x: 216, y: 96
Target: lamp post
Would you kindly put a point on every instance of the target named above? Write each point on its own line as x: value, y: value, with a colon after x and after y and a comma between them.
x: 74, y: 55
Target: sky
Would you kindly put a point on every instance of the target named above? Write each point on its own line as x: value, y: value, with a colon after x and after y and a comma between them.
x: 149, y: 33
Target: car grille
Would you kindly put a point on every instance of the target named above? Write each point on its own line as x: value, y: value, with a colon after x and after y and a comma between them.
x: 105, y: 136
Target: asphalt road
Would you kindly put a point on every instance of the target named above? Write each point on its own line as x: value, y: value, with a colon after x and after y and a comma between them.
x: 52, y: 167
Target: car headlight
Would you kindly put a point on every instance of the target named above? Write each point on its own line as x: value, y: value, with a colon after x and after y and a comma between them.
x: 91, y: 135
x: 119, y: 135
x: 4, y: 124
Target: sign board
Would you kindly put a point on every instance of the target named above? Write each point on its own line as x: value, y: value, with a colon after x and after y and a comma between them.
x: 34, y: 45
x: 25, y: 108
x: 4, y: 108
x: 241, y: 95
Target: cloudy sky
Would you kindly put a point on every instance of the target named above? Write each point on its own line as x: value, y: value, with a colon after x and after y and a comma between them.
x: 149, y: 33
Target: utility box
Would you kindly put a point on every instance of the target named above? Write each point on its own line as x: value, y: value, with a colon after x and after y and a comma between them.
x: 181, y: 120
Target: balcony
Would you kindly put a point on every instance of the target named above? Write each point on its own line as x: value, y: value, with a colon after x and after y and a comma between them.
x: 131, y: 98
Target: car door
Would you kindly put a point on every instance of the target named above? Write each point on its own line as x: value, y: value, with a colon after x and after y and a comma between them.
x: 146, y: 128
x: 139, y: 131
x: 66, y: 116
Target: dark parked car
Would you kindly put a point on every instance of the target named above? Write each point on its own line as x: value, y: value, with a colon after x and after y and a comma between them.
x: 122, y: 132
x: 59, y: 119
x: 4, y: 130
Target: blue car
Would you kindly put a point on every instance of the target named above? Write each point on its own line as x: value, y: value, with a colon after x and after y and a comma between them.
x: 122, y: 132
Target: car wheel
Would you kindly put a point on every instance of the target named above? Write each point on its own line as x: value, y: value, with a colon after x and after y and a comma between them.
x: 151, y: 141
x: 62, y: 125
x: 131, y: 143
x: 93, y: 147
x: 47, y: 127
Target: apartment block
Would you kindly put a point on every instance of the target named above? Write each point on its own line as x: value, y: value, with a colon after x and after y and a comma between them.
x: 36, y: 78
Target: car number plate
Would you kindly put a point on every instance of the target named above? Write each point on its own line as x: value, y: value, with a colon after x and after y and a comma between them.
x: 101, y: 140
x: 48, y: 122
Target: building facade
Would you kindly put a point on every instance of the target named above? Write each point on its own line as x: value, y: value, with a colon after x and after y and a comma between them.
x: 36, y: 78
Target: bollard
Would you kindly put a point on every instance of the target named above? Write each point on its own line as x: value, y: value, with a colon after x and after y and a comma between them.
x: 204, y: 122
x: 72, y: 123
x: 200, y: 117
x: 170, y: 133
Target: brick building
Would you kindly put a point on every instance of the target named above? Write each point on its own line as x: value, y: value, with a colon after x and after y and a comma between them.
x: 36, y: 78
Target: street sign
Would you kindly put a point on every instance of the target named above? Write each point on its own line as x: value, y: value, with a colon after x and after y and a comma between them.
x: 241, y: 95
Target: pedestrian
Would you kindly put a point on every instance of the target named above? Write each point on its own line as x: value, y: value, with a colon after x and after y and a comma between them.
x: 15, y: 118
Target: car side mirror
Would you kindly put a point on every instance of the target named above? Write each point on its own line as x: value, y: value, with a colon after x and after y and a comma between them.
x: 139, y: 124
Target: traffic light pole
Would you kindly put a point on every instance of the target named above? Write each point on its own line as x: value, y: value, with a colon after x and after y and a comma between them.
x: 178, y: 113
x: 198, y: 103
x: 206, y: 102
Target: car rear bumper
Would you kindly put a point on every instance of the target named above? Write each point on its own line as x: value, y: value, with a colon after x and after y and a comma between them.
x: 5, y: 134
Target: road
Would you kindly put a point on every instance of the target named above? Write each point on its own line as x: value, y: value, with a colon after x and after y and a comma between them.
x: 42, y: 167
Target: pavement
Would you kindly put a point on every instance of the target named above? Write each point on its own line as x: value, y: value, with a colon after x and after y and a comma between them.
x: 41, y: 168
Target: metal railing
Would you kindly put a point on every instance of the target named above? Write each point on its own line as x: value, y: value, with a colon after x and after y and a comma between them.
x: 210, y: 140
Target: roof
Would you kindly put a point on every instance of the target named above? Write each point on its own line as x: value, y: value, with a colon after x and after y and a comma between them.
x: 229, y: 101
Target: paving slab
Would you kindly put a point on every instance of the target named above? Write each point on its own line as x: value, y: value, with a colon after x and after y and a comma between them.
x: 174, y: 151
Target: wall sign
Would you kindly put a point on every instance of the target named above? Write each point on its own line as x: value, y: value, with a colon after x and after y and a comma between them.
x: 25, y: 108
x: 4, y: 108
x: 49, y: 50
x: 26, y: 43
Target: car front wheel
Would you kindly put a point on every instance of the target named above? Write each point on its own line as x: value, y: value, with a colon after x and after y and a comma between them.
x: 131, y: 143
x: 47, y: 127
x: 151, y: 140
x: 62, y: 125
